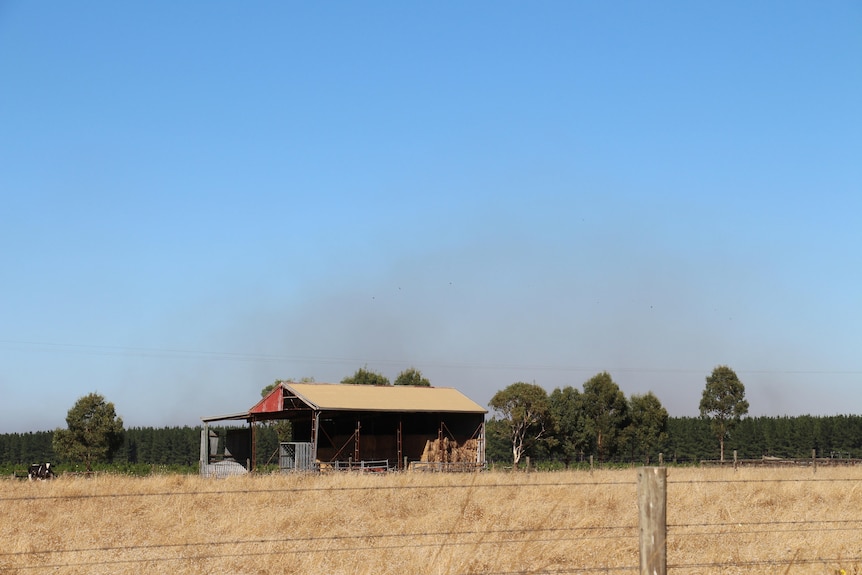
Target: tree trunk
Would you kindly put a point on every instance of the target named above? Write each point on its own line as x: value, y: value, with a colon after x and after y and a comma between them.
x: 599, y: 446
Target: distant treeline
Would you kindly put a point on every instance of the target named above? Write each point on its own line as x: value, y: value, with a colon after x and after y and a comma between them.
x: 141, y: 445
x: 690, y: 439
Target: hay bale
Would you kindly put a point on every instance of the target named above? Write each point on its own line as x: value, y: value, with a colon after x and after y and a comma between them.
x: 449, y: 451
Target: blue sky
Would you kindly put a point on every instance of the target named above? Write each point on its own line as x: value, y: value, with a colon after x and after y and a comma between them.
x: 200, y: 198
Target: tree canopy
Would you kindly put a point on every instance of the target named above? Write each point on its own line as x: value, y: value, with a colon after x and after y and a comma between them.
x: 605, y: 413
x: 364, y: 376
x: 94, y: 432
x: 412, y: 376
x: 569, y: 428
x: 648, y: 424
x: 723, y: 402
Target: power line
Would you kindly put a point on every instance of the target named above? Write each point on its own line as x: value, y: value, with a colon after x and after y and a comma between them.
x: 177, y: 353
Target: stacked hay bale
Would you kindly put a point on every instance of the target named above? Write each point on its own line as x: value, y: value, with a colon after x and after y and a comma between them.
x: 448, y: 451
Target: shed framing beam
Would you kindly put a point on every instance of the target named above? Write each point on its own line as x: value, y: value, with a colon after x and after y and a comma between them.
x: 315, y: 433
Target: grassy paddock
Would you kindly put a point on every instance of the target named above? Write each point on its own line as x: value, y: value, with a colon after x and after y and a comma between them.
x: 720, y: 521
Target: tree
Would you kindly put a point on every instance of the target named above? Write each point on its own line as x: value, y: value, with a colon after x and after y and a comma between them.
x: 94, y: 432
x: 525, y: 415
x: 412, y: 376
x: 365, y: 377
x: 567, y: 409
x: 605, y: 413
x: 498, y: 447
x: 647, y: 423
x: 723, y: 402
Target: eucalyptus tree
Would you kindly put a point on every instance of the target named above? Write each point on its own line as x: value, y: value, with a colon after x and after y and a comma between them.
x: 569, y: 426
x: 605, y: 412
x: 94, y: 433
x: 723, y: 403
x: 364, y: 376
x: 647, y: 423
x: 525, y: 416
x: 412, y: 376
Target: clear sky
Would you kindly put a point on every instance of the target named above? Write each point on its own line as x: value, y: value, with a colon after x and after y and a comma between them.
x: 199, y: 198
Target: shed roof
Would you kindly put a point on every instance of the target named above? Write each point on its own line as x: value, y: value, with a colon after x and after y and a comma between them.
x: 346, y: 397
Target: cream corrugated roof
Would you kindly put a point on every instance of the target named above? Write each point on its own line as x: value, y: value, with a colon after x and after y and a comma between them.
x: 384, y: 398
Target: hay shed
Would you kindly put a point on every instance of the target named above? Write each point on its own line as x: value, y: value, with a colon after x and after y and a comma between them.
x: 341, y: 426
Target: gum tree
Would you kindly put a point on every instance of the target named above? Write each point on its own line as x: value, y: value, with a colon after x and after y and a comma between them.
x: 569, y: 428
x: 364, y: 376
x: 93, y: 434
x: 605, y: 413
x: 525, y: 416
x: 723, y: 403
x: 648, y: 423
x: 412, y: 376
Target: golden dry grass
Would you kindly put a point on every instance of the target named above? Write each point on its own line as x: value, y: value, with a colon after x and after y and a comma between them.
x: 720, y: 521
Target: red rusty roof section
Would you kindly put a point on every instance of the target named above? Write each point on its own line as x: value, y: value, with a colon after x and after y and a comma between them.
x: 271, y: 403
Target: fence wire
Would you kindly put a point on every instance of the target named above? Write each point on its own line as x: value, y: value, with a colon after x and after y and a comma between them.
x: 418, y: 540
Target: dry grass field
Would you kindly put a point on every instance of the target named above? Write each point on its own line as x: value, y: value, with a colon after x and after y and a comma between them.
x: 720, y: 521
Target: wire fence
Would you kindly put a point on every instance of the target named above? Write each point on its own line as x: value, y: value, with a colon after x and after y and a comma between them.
x: 754, y: 539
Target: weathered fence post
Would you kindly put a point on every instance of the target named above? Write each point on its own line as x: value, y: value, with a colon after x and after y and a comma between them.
x: 652, y: 519
x: 814, y: 459
x: 734, y: 460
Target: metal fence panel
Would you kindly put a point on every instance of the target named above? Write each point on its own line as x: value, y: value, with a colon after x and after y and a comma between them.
x: 296, y: 456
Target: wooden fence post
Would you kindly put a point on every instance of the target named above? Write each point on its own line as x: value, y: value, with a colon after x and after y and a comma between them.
x: 652, y: 520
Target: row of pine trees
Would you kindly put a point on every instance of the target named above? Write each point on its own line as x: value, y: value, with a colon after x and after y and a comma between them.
x: 171, y: 446
x: 689, y: 440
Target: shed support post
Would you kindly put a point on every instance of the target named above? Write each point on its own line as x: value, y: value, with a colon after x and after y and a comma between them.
x: 356, y: 442
x: 253, y: 461
x: 205, y: 448
x: 480, y: 453
x: 441, y: 456
x: 652, y: 519
x: 315, y: 430
x: 400, y: 440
